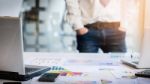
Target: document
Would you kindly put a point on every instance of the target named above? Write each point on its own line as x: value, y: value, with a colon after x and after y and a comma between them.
x: 92, y: 62
x: 127, y: 81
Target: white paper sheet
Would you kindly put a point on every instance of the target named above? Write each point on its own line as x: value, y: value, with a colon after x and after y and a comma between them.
x: 132, y: 81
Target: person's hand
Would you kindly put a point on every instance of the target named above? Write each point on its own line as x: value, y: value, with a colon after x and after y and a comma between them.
x: 82, y: 31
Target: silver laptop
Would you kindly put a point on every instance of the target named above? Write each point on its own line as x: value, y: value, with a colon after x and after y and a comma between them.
x: 11, y: 48
x: 144, y: 60
x: 11, y: 52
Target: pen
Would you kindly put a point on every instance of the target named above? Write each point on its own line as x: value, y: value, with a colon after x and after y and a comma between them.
x: 131, y: 56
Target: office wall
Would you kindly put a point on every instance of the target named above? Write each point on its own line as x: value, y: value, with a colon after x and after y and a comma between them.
x: 147, y: 14
x: 130, y: 18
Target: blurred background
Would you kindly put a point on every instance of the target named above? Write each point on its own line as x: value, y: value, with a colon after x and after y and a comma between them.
x: 46, y: 30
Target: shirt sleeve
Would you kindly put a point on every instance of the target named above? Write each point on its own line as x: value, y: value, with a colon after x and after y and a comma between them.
x: 74, y: 14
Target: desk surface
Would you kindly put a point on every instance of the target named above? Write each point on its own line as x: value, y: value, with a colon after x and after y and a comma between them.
x: 95, y: 71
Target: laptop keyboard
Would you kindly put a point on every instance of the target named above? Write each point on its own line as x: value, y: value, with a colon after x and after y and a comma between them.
x: 30, y: 70
x: 136, y: 62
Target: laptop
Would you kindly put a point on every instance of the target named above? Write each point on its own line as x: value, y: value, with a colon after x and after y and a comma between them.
x: 11, y: 52
x: 144, y: 60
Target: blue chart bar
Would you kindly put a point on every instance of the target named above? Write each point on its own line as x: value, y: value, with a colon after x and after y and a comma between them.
x: 57, y: 68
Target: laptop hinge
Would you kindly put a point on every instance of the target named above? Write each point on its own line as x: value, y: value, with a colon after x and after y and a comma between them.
x: 9, y: 75
x: 15, y: 76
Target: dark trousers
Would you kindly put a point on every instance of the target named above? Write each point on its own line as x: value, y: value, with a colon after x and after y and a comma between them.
x: 108, y: 39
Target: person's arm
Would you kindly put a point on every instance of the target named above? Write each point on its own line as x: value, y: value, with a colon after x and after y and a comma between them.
x: 74, y: 16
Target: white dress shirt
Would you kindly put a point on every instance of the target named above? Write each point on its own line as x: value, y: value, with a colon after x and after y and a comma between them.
x: 82, y: 12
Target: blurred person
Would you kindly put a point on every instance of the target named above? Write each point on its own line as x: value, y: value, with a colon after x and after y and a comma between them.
x: 97, y: 24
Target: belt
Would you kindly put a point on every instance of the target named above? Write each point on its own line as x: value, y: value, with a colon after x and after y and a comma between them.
x: 104, y: 25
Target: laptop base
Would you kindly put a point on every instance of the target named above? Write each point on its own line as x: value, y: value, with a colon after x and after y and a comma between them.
x: 134, y: 64
x: 130, y: 63
x: 15, y: 76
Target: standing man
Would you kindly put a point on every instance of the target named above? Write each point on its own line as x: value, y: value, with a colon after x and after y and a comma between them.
x: 97, y: 24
